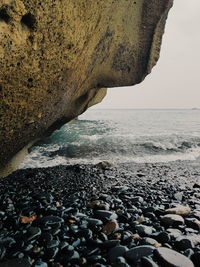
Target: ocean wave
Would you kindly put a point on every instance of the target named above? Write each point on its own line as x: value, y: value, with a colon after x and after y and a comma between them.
x: 33, y: 162
x: 146, y: 152
x: 162, y: 139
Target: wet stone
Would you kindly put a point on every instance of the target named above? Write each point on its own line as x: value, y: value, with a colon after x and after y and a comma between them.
x: 76, y: 242
x: 163, y: 237
x: 174, y: 233
x: 51, y: 252
x: 172, y: 219
x: 116, y: 252
x: 196, y: 214
x: 40, y: 263
x: 178, y: 196
x: 91, y: 251
x: 95, y: 222
x: 144, y: 229
x: 110, y: 227
x: 151, y: 216
x: 183, y: 242
x: 75, y: 256
x: 196, y: 258
x: 148, y: 262
x: 105, y: 215
x: 33, y: 233
x: 189, y: 252
x: 172, y: 258
x: 179, y: 210
x: 52, y: 243
x: 136, y: 254
x: 28, y: 248
x: 87, y: 233
x: 120, y: 264
x: 193, y: 223
x: 52, y: 220
x: 137, y: 199
x: 110, y: 243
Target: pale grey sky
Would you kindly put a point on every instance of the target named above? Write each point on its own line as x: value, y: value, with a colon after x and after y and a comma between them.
x: 175, y: 81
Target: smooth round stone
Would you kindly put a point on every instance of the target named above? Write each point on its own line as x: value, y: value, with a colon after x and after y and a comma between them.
x: 52, y: 220
x: 195, y: 239
x: 110, y: 227
x: 33, y: 233
x: 135, y: 254
x: 171, y: 258
x: 2, y: 213
x: 76, y: 242
x: 87, y: 233
x: 189, y: 252
x: 40, y: 263
x: 92, y: 251
x: 174, y: 233
x: 103, y: 206
x: 68, y: 250
x: 116, y: 252
x: 193, y: 223
x: 110, y: 243
x: 95, y: 222
x: 163, y: 237
x: 151, y: 216
x: 196, y: 214
x: 178, y: 196
x: 63, y: 245
x: 105, y: 214
x: 196, y: 258
x: 53, y: 243
x: 179, y: 210
x: 148, y: 262
x: 120, y: 262
x: 74, y: 256
x: 28, y: 248
x: 137, y: 199
x: 51, y: 253
x: 183, y: 242
x: 94, y: 258
x: 172, y: 219
x: 144, y: 229
x: 102, y: 236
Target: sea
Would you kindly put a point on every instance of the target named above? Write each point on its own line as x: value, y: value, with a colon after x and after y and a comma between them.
x: 121, y: 136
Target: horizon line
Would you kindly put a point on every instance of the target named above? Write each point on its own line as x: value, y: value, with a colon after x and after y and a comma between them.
x: 146, y: 108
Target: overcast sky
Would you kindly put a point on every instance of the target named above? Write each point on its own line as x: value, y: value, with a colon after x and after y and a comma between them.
x: 175, y: 80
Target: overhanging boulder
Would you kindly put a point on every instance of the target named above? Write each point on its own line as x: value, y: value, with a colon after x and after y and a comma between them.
x: 56, y: 55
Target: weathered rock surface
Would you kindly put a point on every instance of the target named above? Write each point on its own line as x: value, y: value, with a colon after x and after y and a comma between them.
x: 55, y: 56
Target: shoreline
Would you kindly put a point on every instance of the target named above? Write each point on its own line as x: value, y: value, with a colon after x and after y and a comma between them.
x: 93, y: 214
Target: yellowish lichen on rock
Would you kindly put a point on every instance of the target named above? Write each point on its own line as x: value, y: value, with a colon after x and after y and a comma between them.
x: 56, y: 55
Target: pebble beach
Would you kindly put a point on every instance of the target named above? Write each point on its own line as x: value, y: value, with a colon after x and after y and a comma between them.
x: 101, y: 215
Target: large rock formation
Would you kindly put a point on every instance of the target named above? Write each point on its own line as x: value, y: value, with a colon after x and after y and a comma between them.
x: 55, y: 56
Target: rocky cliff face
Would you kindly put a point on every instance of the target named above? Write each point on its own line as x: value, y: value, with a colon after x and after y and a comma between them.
x: 55, y: 56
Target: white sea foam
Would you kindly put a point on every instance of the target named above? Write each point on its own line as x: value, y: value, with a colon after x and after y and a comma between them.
x: 120, y: 137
